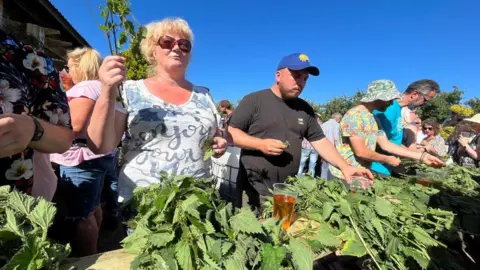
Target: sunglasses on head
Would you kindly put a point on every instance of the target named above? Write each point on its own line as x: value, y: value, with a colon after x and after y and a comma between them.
x: 427, y: 128
x: 168, y: 42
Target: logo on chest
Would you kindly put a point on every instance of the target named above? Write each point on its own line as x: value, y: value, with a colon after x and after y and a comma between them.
x: 300, y: 121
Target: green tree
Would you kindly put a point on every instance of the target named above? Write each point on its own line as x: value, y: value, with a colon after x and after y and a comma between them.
x: 439, y: 107
x: 338, y: 104
x: 137, y: 67
x: 474, y: 103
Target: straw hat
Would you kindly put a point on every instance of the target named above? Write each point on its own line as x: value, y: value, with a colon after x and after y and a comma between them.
x: 474, y: 119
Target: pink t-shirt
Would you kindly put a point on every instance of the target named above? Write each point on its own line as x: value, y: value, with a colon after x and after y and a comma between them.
x: 76, y: 155
x: 44, y: 178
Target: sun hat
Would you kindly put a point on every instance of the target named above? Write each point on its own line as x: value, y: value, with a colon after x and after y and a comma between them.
x: 474, y: 119
x: 381, y: 90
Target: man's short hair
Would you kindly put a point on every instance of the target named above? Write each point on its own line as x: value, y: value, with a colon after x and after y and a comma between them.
x: 424, y: 87
x: 336, y: 116
x: 225, y: 104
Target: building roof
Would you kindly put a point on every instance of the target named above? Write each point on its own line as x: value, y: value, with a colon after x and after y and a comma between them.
x: 54, y: 12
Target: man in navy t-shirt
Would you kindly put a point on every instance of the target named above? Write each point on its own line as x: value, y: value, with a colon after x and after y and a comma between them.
x: 416, y: 95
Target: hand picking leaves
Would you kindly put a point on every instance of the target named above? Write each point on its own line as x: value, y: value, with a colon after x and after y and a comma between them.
x: 390, y: 225
x: 286, y: 143
x: 208, y: 149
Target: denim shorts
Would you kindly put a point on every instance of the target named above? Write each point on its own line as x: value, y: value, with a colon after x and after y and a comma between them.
x: 82, y: 186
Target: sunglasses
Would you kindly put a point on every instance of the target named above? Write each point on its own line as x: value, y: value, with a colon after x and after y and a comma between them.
x: 427, y: 128
x: 168, y: 42
x: 425, y: 99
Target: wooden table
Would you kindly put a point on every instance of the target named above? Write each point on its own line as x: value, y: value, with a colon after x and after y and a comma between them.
x: 112, y: 260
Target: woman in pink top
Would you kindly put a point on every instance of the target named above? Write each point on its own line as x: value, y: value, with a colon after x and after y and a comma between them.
x: 81, y: 172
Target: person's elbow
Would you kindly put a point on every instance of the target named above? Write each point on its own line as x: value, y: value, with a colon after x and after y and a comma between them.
x: 362, y: 154
x: 64, y: 141
x: 99, y: 148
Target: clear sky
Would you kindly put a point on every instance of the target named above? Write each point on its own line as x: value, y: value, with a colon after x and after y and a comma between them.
x: 238, y: 44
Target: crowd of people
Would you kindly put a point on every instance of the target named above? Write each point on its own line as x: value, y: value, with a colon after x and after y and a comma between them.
x: 63, y: 134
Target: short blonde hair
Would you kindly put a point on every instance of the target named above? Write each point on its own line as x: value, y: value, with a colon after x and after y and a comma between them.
x: 87, y: 63
x: 160, y: 28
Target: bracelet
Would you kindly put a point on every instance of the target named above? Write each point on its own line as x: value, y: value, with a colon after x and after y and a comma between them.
x: 423, y: 156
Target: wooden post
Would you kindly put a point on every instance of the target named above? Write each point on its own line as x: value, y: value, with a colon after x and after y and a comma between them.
x: 1, y: 13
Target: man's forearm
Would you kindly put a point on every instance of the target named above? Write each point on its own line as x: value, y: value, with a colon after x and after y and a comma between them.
x: 401, y: 152
x: 243, y: 140
x: 329, y: 153
x: 55, y: 139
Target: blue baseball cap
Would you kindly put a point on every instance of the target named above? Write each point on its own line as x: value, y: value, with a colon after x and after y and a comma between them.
x: 298, y: 61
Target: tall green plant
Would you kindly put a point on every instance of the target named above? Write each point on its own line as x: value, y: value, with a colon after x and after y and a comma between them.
x: 118, y: 27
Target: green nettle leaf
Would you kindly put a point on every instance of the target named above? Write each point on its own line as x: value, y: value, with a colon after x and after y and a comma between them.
x: 26, y: 256
x: 211, y: 263
x: 327, y: 238
x: 43, y: 215
x: 417, y: 256
x: 379, y: 228
x: 327, y: 210
x: 208, y: 154
x: 347, y: 234
x: 383, y: 207
x: 226, y: 246
x: 21, y: 204
x: 184, y: 255
x: 12, y: 223
x: 245, y: 221
x: 161, y: 239
x: 353, y: 247
x: 136, y: 242
x: 234, y: 263
x: 209, y: 227
x: 168, y: 255
x: 216, y: 250
x: 422, y: 237
x: 345, y: 208
x: 301, y: 254
x: 272, y: 257
x: 392, y: 246
x: 308, y: 184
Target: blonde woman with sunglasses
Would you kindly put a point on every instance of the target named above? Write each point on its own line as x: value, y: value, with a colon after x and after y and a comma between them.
x: 169, y: 117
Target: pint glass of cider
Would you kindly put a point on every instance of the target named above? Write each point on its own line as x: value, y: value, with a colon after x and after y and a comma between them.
x: 284, y: 199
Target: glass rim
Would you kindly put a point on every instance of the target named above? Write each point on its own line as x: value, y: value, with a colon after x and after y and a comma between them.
x: 285, y: 189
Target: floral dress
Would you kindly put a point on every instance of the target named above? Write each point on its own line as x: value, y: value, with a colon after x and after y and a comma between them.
x: 29, y: 84
x: 357, y: 122
x: 438, y: 144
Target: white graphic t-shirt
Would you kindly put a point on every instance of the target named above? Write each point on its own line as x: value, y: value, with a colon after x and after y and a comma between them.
x: 164, y: 137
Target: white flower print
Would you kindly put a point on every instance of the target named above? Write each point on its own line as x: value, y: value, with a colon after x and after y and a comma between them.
x: 4, y: 84
x: 34, y: 61
x: 7, y: 97
x: 20, y: 169
x: 57, y: 115
x: 46, y: 104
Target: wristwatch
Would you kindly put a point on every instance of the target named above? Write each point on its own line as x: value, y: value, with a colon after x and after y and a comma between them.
x: 38, y: 133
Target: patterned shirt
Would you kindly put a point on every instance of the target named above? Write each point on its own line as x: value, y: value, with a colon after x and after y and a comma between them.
x: 438, y: 144
x: 357, y: 122
x: 29, y: 84
x: 164, y: 137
